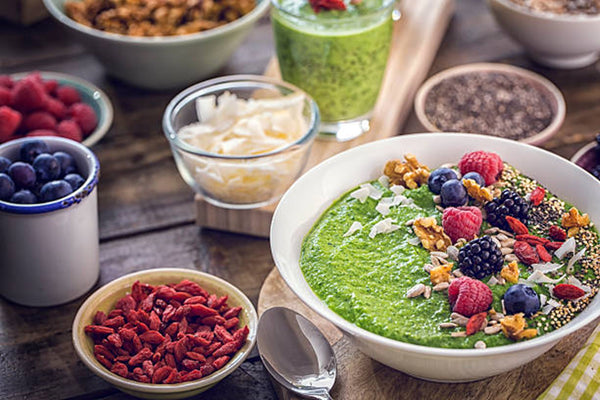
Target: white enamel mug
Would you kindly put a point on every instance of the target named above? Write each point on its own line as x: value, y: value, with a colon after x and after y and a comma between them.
x: 49, y: 251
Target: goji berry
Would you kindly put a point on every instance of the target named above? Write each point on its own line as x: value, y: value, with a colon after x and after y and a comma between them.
x: 98, y: 330
x: 525, y: 253
x: 532, y: 240
x: 115, y: 340
x: 126, y: 303
x: 200, y: 310
x: 537, y: 196
x: 104, y: 361
x: 170, y: 360
x: 192, y: 376
x: 222, y: 333
x: 227, y: 348
x: 568, y: 292
x: 102, y: 350
x: 120, y: 369
x: 195, y: 300
x: 115, y: 322
x: 154, y: 324
x: 232, y: 312
x: 476, y: 323
x: 553, y: 245
x: 161, y: 374
x: 213, y: 320
x: 99, y: 318
x: 148, y: 368
x: 231, y: 323
x: 517, y: 226
x: 180, y: 350
x: 557, y: 233
x: 543, y: 253
x: 195, y: 356
x: 207, y: 369
x: 220, y: 362
x: 152, y: 337
x: 173, y: 377
x: 190, y: 364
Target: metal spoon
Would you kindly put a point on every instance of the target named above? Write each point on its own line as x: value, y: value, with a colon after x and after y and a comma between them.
x: 296, y: 353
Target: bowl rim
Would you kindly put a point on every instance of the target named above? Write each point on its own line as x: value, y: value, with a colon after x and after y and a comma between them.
x: 546, y: 15
x: 552, y: 93
x: 155, y: 388
x: 91, y: 181
x: 101, y: 99
x: 221, y: 83
x: 363, y: 334
x: 583, y: 150
x: 59, y: 14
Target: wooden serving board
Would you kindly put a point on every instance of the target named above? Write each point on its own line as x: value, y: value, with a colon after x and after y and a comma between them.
x: 417, y: 36
x: 360, y: 377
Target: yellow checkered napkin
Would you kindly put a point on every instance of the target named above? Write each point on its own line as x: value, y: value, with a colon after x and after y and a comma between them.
x: 581, y: 378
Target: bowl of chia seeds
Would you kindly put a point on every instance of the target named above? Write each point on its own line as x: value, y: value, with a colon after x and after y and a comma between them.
x: 491, y: 99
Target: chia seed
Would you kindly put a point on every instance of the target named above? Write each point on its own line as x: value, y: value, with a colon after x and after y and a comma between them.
x: 590, y: 7
x: 493, y: 103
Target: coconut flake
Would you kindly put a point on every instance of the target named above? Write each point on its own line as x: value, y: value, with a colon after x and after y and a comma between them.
x: 415, y: 241
x: 356, y: 226
x: 374, y: 193
x: 546, y: 309
x: 492, y: 281
x: 543, y: 299
x: 576, y: 282
x: 360, y: 194
x: 384, y: 180
x: 526, y: 282
x: 546, y: 267
x: 397, y: 189
x: 383, y: 226
x: 567, y: 247
x: 383, y: 208
x: 539, y: 277
x: 574, y: 259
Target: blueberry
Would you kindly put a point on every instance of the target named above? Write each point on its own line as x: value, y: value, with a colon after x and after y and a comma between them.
x: 75, y: 180
x: 54, y: 190
x: 47, y: 167
x: 521, y: 298
x: 33, y: 148
x: 23, y: 197
x: 596, y: 171
x: 22, y: 174
x: 7, y: 187
x: 4, y: 164
x: 453, y: 193
x: 438, y: 177
x: 476, y: 177
x: 67, y: 163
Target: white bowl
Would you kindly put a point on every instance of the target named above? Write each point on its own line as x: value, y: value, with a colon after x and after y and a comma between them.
x: 161, y: 62
x: 559, y: 41
x: 313, y: 193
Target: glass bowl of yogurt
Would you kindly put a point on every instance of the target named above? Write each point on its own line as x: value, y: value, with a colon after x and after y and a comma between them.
x: 240, y: 141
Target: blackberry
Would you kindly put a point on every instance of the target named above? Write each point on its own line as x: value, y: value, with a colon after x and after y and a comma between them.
x: 509, y: 203
x: 480, y: 258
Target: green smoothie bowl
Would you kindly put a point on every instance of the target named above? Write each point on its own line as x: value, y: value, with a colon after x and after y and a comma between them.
x: 374, y: 253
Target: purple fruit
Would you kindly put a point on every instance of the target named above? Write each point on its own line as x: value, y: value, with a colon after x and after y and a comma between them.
x: 33, y: 148
x: 67, y: 163
x: 54, y: 190
x: 23, y: 197
x: 75, y: 180
x: 7, y: 187
x: 47, y: 167
x: 22, y: 174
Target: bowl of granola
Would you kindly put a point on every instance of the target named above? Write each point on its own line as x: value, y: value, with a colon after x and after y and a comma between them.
x: 159, y: 45
x: 555, y: 33
x: 476, y: 258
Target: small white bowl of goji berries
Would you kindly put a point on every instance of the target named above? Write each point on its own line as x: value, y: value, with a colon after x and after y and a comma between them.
x: 165, y: 333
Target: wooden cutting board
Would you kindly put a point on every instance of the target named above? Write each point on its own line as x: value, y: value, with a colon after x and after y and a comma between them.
x: 360, y: 377
x: 417, y: 36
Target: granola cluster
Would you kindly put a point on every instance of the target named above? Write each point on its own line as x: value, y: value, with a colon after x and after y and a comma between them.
x: 156, y: 17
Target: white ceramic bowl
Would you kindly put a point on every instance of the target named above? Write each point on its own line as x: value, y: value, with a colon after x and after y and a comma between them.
x: 559, y: 41
x: 543, y: 85
x: 313, y: 193
x: 161, y: 62
x: 105, y: 298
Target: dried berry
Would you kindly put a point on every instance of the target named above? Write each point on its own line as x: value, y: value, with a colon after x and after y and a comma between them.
x: 557, y: 233
x: 568, y: 292
x: 537, y: 196
x: 526, y: 253
x: 543, y: 253
x: 476, y: 323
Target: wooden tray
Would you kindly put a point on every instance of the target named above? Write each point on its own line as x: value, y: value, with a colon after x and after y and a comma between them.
x: 360, y: 377
x: 416, y: 39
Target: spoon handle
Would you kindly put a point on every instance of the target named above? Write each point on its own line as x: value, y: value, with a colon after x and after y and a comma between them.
x: 324, y: 395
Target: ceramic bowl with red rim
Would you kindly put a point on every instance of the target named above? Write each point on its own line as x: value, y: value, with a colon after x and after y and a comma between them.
x: 105, y: 299
x: 491, y: 99
x: 89, y: 94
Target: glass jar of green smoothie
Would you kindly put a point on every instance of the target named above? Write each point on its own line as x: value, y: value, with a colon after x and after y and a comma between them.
x: 337, y: 56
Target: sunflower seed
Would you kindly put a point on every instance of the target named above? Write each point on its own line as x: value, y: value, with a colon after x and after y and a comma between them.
x: 435, y: 261
x: 506, y: 250
x: 441, y: 286
x: 457, y: 273
x: 452, y: 252
x: 497, y: 316
x: 501, y: 237
x: 491, y: 231
x: 507, y: 234
x: 445, y: 325
x: 501, y: 281
x: 439, y: 254
x: 427, y: 292
x: 496, y: 241
x: 508, y: 243
x: 458, y: 334
x: 415, y: 291
x: 409, y: 222
x: 437, y: 199
x: 492, y: 330
x: 480, y: 344
x: 510, y: 258
x: 427, y: 267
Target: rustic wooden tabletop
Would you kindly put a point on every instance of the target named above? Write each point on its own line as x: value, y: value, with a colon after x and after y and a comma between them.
x: 146, y: 211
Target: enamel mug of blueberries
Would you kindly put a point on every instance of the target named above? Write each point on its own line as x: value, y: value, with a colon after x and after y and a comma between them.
x: 48, y: 220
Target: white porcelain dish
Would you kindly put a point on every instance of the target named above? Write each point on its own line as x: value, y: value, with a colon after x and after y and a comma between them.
x: 547, y: 88
x: 313, y: 193
x: 558, y: 41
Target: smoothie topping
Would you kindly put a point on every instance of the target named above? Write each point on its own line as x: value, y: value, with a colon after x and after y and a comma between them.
x: 410, y: 173
x: 318, y: 5
x: 431, y: 234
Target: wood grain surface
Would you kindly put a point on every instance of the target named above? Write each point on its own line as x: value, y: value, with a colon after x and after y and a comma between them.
x: 360, y: 377
x: 410, y: 58
x: 147, y: 214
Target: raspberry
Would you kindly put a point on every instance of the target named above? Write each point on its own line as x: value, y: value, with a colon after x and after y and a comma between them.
x: 56, y: 108
x: 318, y: 5
x: 85, y: 117
x: 488, y: 165
x: 29, y: 95
x: 70, y: 130
x: 5, y: 96
x: 68, y: 95
x: 469, y: 296
x: 480, y: 258
x: 509, y: 203
x: 9, y: 122
x: 461, y: 222
x: 6, y: 81
x: 50, y: 86
x: 39, y: 120
x: 42, y: 132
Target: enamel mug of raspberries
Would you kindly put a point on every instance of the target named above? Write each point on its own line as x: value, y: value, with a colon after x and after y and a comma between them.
x: 165, y: 333
x: 49, y: 251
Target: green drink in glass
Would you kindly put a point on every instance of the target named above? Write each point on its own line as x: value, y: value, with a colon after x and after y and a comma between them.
x: 336, y: 56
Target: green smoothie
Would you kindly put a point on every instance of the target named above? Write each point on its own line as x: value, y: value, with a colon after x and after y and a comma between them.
x: 337, y: 57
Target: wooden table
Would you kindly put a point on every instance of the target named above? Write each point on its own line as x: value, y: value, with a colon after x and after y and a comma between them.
x: 146, y: 210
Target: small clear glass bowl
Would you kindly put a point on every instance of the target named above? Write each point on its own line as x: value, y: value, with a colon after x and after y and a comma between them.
x: 238, y: 182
